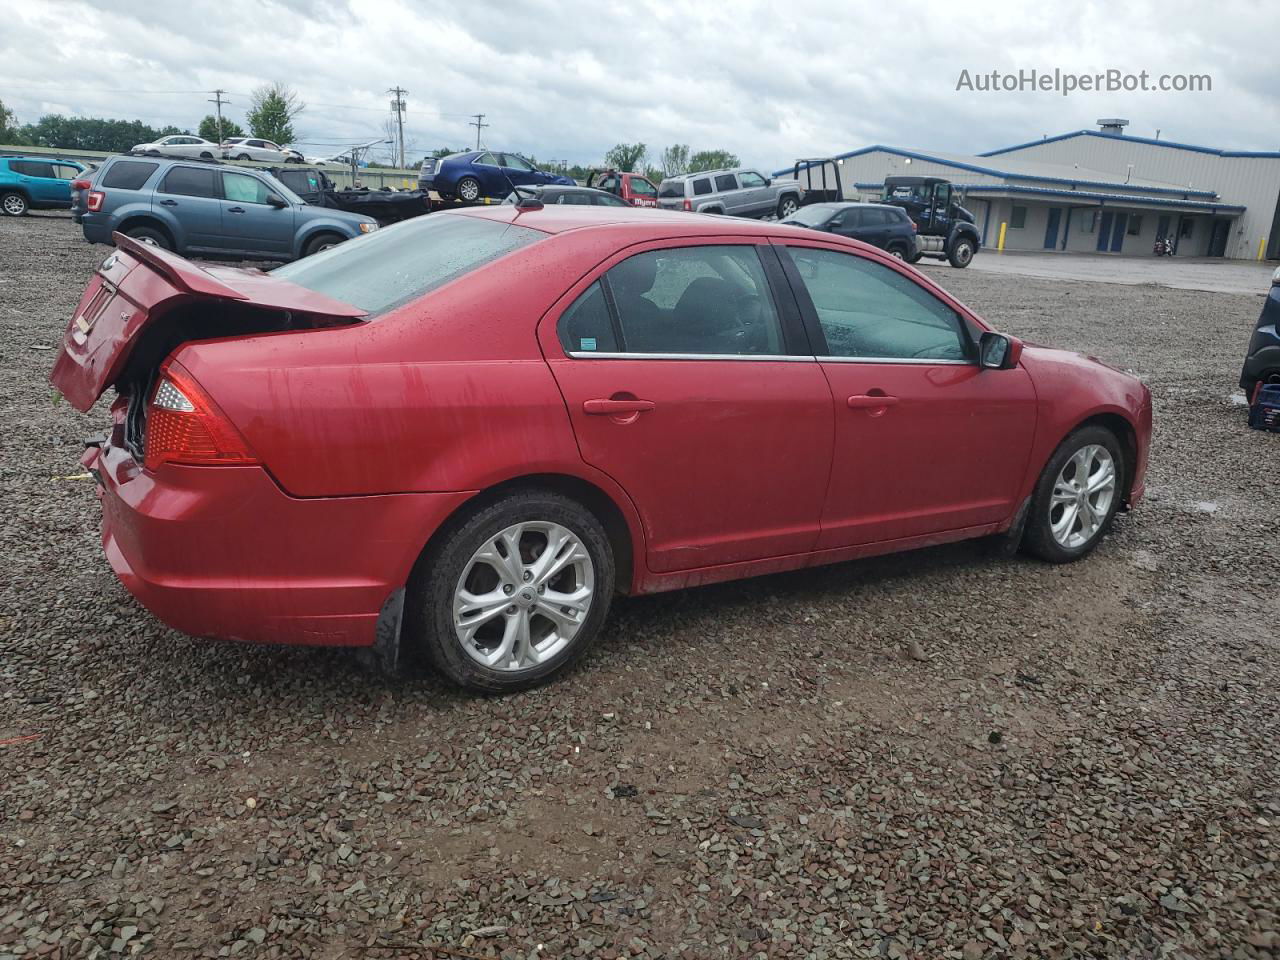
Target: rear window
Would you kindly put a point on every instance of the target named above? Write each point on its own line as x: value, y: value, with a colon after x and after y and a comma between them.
x: 385, y: 269
x: 671, y: 189
x: 128, y: 174
x: 701, y: 186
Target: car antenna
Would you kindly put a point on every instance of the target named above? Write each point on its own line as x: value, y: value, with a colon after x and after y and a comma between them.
x: 524, y: 201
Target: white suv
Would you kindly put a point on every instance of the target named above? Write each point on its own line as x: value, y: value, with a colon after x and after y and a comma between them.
x: 255, y: 148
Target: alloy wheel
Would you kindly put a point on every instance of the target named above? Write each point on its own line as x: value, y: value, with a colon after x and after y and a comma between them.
x: 789, y: 207
x: 523, y: 595
x: 1082, y: 496
x: 469, y: 190
x: 14, y: 205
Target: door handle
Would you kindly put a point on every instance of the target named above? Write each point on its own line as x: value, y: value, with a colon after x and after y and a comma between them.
x: 168, y: 203
x: 235, y: 209
x: 864, y: 401
x: 615, y: 407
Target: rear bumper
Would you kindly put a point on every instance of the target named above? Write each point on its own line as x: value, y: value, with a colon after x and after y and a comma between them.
x: 222, y: 552
x: 97, y: 229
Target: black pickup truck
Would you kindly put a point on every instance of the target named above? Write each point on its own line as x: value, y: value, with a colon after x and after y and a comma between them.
x: 385, y: 206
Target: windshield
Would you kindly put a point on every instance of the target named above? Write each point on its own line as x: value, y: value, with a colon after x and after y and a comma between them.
x: 812, y: 216
x: 385, y: 269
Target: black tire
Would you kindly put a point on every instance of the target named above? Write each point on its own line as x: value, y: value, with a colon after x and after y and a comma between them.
x: 242, y: 156
x: 897, y: 250
x: 436, y: 577
x: 206, y: 155
x: 14, y: 204
x: 1039, y: 540
x: 961, y: 254
x: 153, y: 236
x: 915, y: 257
x: 787, y: 206
x: 468, y: 189
x: 321, y: 241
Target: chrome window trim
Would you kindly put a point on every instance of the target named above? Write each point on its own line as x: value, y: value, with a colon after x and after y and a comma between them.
x: 912, y: 360
x: 771, y: 357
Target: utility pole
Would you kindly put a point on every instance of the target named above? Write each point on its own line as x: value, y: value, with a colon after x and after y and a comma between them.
x: 219, y: 101
x: 478, y: 123
x: 397, y: 107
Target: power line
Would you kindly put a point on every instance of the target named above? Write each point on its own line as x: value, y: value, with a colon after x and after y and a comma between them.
x: 479, y: 124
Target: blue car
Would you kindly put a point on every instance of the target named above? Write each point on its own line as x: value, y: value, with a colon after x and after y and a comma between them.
x: 209, y: 209
x: 36, y: 183
x: 481, y: 173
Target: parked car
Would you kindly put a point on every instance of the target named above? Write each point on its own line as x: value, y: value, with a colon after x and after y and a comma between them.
x: 482, y: 173
x: 203, y: 207
x: 180, y: 145
x: 380, y: 446
x: 386, y: 206
x: 737, y: 193
x: 1262, y: 359
x: 255, y: 148
x: 878, y: 224
x: 36, y: 183
x: 636, y: 189
x: 581, y: 196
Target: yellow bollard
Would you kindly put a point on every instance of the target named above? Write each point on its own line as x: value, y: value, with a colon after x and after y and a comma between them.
x: 1262, y: 246
x: 1000, y: 242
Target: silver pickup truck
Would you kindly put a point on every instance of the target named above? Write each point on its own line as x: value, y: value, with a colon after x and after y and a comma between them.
x: 736, y: 193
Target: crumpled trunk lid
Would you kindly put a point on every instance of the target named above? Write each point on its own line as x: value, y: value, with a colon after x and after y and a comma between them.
x: 138, y: 285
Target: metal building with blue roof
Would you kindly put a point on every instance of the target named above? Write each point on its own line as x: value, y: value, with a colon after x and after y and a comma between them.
x: 1095, y: 191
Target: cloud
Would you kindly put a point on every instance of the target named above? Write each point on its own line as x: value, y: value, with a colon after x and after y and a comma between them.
x: 563, y: 79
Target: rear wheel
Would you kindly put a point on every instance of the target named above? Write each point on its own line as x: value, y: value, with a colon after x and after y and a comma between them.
x: 786, y: 207
x: 516, y: 593
x: 206, y: 155
x: 961, y: 254
x: 13, y: 204
x: 469, y: 189
x: 320, y: 242
x: 151, y: 236
x: 1077, y: 496
x: 243, y: 156
x: 897, y: 250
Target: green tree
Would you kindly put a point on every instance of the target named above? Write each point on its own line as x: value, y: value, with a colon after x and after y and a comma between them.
x: 712, y: 160
x: 209, y: 129
x: 91, y: 133
x: 674, y: 160
x: 9, y: 132
x: 271, y: 115
x: 625, y: 156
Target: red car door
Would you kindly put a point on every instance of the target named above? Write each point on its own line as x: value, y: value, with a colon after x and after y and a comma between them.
x: 926, y: 440
x: 686, y: 381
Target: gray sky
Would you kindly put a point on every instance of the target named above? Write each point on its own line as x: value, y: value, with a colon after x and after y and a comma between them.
x: 566, y: 80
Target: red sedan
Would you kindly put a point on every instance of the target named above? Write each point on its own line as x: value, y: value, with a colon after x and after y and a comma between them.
x: 470, y: 430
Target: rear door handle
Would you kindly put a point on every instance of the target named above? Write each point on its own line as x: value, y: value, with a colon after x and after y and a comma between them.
x: 615, y: 407
x: 168, y: 203
x: 864, y: 401
x: 235, y: 209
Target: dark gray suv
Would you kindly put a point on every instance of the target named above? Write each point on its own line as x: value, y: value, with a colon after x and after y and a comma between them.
x: 208, y: 209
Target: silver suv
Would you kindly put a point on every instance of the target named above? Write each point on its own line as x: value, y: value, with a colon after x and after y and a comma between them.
x: 740, y: 192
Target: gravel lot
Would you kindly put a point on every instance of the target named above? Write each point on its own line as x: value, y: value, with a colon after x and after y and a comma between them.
x: 932, y: 755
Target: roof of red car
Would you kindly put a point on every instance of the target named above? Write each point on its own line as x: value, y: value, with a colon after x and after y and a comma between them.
x: 559, y: 218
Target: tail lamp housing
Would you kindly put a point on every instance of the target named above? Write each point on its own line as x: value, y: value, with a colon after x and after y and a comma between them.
x: 185, y: 426
x: 94, y: 200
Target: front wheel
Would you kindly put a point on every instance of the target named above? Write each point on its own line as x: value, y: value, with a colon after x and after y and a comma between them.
x: 322, y: 242
x: 898, y: 251
x: 515, y: 594
x: 915, y: 256
x: 961, y: 254
x: 787, y: 207
x: 1077, y: 496
x: 469, y: 189
x: 13, y: 204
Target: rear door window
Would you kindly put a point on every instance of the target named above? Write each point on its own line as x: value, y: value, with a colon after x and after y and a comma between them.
x: 587, y: 327
x: 190, y: 182
x: 695, y: 301
x: 128, y: 174
x: 726, y: 181
x: 33, y: 168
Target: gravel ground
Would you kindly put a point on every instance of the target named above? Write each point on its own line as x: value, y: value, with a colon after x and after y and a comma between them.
x: 932, y: 755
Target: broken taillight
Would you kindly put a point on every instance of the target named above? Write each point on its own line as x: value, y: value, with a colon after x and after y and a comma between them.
x: 184, y: 425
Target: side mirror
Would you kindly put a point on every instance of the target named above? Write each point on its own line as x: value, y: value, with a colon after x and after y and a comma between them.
x: 768, y: 181
x: 999, y: 351
x: 277, y: 202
